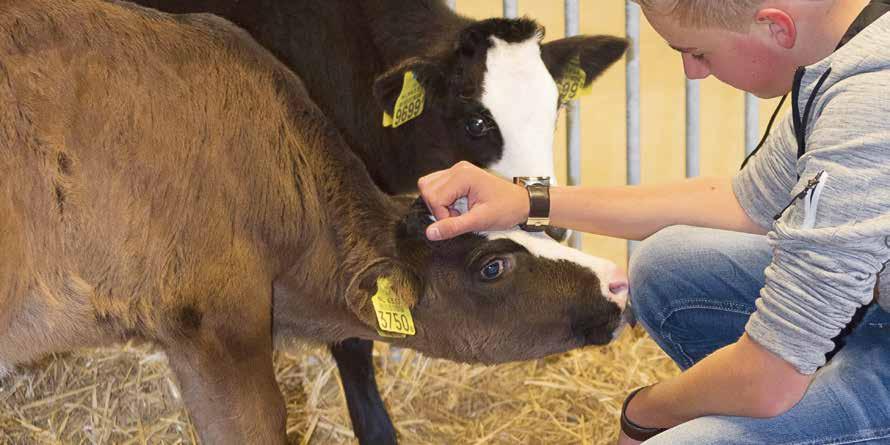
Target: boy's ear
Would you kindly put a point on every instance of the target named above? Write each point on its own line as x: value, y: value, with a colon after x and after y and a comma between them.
x: 388, y: 86
x: 404, y: 283
x: 593, y: 53
x: 782, y: 29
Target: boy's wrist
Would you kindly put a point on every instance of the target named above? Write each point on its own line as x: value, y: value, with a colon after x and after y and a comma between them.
x: 631, y: 428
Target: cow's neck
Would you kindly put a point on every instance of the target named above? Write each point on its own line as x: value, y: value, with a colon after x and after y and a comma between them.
x: 356, y: 228
x: 403, y: 29
x: 363, y: 222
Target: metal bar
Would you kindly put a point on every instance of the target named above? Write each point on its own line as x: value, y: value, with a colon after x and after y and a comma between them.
x: 511, y: 9
x: 573, y: 118
x: 693, y: 128
x: 632, y: 32
x: 752, y: 123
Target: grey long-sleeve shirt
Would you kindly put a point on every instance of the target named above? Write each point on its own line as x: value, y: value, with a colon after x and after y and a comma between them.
x: 830, y: 246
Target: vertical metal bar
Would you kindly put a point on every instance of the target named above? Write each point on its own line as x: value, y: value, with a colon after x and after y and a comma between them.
x: 752, y: 123
x: 693, y: 128
x: 573, y: 118
x: 511, y: 9
x: 632, y: 31
x: 451, y: 4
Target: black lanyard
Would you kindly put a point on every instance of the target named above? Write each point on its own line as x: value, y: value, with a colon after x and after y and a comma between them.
x: 869, y: 15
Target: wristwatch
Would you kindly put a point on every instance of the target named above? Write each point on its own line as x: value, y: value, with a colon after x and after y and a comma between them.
x: 538, y: 188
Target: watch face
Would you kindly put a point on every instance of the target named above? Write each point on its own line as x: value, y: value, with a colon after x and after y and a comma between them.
x: 532, y: 180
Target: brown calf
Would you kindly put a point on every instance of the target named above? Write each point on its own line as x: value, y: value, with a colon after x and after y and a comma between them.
x: 165, y: 178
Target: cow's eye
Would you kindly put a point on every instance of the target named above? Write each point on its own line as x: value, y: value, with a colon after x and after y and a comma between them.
x: 493, y: 269
x: 476, y: 126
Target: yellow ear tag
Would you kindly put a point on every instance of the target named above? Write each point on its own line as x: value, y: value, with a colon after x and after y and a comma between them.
x: 571, y: 86
x: 392, y: 314
x: 409, y: 105
x: 387, y: 120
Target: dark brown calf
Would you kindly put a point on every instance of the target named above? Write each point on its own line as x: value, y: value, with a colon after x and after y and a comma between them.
x: 352, y: 56
x: 165, y: 178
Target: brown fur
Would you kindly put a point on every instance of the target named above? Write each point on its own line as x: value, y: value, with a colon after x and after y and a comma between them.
x: 128, y: 213
x: 165, y: 178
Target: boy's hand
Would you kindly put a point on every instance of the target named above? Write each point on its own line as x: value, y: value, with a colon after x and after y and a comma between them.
x: 494, y: 204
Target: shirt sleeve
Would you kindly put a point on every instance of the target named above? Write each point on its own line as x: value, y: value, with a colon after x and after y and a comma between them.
x: 830, y: 246
x: 762, y: 186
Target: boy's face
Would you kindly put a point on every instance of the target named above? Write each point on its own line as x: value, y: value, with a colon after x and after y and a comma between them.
x: 749, y: 61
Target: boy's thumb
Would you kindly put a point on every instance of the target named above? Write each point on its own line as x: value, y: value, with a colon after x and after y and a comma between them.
x: 451, y: 227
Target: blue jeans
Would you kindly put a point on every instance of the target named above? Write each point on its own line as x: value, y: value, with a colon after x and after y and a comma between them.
x: 693, y: 290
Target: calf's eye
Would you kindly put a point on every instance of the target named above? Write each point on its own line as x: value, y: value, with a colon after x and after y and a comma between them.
x: 492, y: 270
x: 476, y: 127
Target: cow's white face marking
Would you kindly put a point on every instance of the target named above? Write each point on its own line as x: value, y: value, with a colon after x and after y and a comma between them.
x: 541, y: 245
x: 522, y: 98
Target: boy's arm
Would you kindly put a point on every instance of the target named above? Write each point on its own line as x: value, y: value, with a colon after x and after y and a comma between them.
x: 623, y: 212
x: 742, y: 379
x: 637, y: 212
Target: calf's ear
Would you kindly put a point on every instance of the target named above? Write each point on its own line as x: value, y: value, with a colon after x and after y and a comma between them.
x: 402, y: 284
x: 593, y: 54
x: 389, y: 85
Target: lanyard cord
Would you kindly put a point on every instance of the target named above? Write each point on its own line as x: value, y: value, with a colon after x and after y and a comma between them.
x: 769, y: 126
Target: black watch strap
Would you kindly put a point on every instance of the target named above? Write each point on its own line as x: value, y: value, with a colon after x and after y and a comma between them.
x: 538, y: 189
x: 632, y: 430
x: 538, y: 208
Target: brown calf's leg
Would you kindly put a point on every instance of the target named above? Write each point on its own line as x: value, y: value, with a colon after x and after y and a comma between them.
x: 225, y: 371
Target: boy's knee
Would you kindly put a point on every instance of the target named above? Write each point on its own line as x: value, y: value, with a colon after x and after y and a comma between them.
x: 666, y: 264
x: 653, y: 265
x: 661, y: 254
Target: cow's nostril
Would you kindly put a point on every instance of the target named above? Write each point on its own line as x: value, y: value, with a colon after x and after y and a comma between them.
x: 618, y: 281
x: 618, y: 287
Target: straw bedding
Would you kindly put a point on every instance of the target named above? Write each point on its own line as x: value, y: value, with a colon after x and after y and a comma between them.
x: 127, y: 395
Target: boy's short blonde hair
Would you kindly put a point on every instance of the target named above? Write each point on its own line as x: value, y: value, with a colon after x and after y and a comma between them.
x: 729, y: 14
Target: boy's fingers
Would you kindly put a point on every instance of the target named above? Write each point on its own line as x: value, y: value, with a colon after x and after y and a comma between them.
x: 440, y: 212
x: 439, y: 190
x: 458, y: 225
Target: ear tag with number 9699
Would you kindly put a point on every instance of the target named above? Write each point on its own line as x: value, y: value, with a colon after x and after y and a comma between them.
x: 409, y: 105
x: 571, y: 86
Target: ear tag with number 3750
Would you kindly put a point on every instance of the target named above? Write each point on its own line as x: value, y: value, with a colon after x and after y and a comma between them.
x: 393, y: 316
x: 409, y: 105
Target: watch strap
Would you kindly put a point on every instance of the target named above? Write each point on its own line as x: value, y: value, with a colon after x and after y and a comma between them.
x: 538, y: 189
x: 538, y: 208
x: 631, y: 429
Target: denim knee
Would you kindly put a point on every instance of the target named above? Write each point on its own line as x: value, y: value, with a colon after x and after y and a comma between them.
x: 693, y: 289
x: 655, y: 265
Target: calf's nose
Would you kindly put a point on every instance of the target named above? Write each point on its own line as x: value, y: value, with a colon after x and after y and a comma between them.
x: 618, y: 283
x: 618, y: 287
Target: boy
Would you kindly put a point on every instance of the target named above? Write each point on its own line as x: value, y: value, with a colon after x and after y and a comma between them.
x: 750, y: 317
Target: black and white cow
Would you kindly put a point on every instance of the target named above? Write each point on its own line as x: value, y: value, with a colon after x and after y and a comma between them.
x: 492, y: 88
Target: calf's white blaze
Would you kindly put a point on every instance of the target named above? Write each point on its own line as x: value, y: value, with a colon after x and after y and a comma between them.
x: 541, y: 245
x: 522, y: 98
